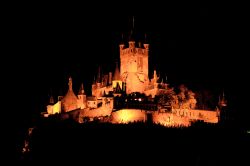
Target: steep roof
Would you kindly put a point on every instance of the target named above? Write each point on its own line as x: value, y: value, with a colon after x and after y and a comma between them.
x: 81, y: 90
x: 118, y: 89
x: 70, y: 98
x: 117, y: 73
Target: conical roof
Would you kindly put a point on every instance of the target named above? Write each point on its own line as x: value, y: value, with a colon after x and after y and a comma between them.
x: 117, y: 73
x: 118, y: 89
x: 69, y: 101
x: 81, y: 90
x: 70, y: 97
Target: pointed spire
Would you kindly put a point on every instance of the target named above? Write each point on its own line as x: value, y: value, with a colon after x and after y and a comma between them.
x: 222, y: 101
x: 122, y: 43
x: 51, y: 100
x: 70, y: 84
x: 122, y: 40
x: 159, y: 77
x: 110, y: 78
x: 118, y: 89
x: 146, y: 45
x: 99, y: 75
x: 117, y: 73
x: 81, y: 90
x: 145, y: 38
x: 155, y: 75
x: 131, y: 37
x: 139, y: 44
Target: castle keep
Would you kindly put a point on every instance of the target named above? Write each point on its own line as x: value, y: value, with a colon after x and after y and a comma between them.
x: 130, y: 94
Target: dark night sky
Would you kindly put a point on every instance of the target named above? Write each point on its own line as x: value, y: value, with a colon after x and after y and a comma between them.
x: 197, y: 46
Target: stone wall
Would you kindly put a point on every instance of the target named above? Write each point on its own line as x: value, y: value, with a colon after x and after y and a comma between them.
x: 128, y: 115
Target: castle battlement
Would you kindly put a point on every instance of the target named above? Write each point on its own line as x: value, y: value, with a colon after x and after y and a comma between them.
x: 128, y: 95
x: 137, y: 51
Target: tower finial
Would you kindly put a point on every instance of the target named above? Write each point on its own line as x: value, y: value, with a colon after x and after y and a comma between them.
x: 117, y: 73
x: 132, y: 33
x: 81, y: 90
x: 99, y: 74
x: 70, y: 84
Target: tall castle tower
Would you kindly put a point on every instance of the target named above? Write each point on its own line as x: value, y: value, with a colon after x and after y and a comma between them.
x: 134, y: 65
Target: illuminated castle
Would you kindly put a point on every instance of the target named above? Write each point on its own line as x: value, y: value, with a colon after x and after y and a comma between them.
x: 130, y: 95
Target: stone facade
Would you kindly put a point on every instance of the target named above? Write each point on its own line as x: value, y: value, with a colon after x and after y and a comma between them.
x: 132, y: 77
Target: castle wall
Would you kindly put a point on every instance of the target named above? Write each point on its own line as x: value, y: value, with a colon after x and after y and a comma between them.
x: 53, y: 109
x: 99, y: 92
x: 170, y: 120
x: 104, y: 110
x: 204, y: 115
x: 151, y: 92
x: 80, y: 104
x: 133, y: 83
x: 92, y: 104
x: 98, y: 112
x: 128, y: 115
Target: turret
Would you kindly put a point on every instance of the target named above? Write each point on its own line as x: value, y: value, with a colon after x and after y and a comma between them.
x: 131, y: 44
x: 69, y: 101
x: 117, y: 73
x: 117, y: 78
x: 139, y: 45
x: 81, y: 98
x: 99, y: 80
x: 110, y: 78
x: 122, y: 44
x: 222, y: 102
x: 81, y: 90
x: 51, y: 100
x: 117, y: 90
x: 70, y: 84
x: 155, y: 78
x: 146, y: 45
x: 99, y: 75
x: 132, y: 36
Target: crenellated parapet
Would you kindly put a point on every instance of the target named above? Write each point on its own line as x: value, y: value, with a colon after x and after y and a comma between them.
x: 138, y: 51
